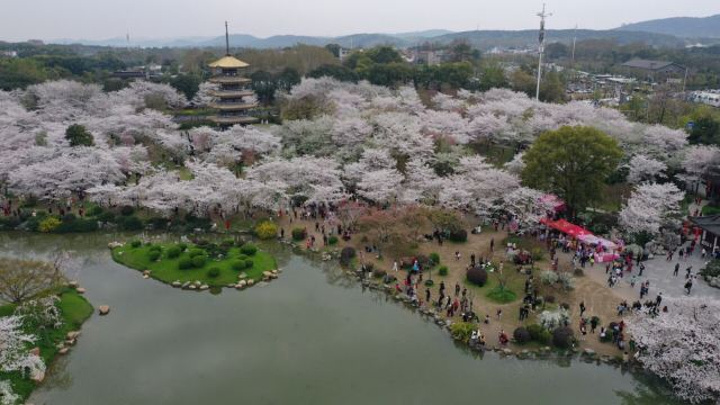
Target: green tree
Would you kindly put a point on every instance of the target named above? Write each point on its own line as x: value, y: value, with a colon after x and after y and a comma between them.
x: 572, y: 162
x: 705, y: 130
x: 337, y: 72
x: 77, y: 135
x: 188, y: 84
x: 492, y: 76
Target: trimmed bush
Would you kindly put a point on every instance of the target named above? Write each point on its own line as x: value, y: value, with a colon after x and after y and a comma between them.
x: 49, y: 224
x: 563, y: 337
x: 106, y: 217
x: 249, y: 263
x: 443, y: 271
x: 157, y: 248
x: 238, y: 265
x: 95, y: 211
x: 127, y: 210
x: 129, y: 223
x: 213, y: 272
x: 522, y: 335
x: 458, y: 236
x: 501, y: 295
x: 199, y: 261
x: 197, y: 252
x: 249, y: 249
x: 346, y: 255
x: 435, y: 258
x: 242, y: 256
x: 266, y: 230
x: 299, y: 234
x: 535, y: 330
x: 135, y: 243
x: 462, y: 330
x: 77, y: 225
x: 154, y: 255
x: 333, y: 240
x: 227, y: 244
x: 477, y: 276
x: 185, y: 263
x: 182, y: 246
x: 173, y: 252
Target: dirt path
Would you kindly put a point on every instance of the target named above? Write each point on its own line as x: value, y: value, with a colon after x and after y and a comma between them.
x: 599, y: 300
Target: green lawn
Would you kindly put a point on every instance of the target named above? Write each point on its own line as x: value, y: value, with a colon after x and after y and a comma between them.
x: 75, y: 310
x: 167, y: 270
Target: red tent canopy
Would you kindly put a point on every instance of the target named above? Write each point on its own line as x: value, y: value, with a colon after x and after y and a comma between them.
x: 566, y: 227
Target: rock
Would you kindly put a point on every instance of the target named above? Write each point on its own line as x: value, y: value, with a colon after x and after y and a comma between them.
x: 507, y: 352
x: 250, y: 282
x: 104, y: 309
x: 70, y: 342
x: 185, y: 285
x: 80, y: 290
x: 231, y: 285
x: 113, y: 245
x: 263, y: 284
x: 145, y: 276
x: 38, y: 376
x: 72, y: 335
x: 242, y: 275
x: 176, y: 283
x: 63, y: 351
x: 192, y: 287
x: 197, y: 283
x: 35, y: 351
x: 74, y: 284
x: 204, y: 287
x: 589, y: 352
x: 146, y: 272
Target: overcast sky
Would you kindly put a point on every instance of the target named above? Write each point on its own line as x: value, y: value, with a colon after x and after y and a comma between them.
x: 101, y: 19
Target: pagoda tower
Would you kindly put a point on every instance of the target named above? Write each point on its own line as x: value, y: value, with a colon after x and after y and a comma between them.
x: 235, y: 99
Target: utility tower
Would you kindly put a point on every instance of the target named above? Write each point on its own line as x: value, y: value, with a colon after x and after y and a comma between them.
x: 543, y: 15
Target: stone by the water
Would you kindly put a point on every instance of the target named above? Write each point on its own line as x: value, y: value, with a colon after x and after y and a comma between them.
x: 104, y: 309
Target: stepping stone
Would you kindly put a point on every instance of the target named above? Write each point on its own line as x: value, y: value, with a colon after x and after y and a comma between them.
x: 104, y: 309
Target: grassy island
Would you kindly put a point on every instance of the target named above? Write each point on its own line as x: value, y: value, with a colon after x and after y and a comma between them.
x: 216, y: 265
x: 74, y: 310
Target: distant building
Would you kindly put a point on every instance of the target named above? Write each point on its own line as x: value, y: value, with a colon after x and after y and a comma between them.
x: 708, y: 97
x: 655, y: 70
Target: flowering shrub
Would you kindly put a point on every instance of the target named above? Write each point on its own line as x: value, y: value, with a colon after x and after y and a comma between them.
x: 266, y: 230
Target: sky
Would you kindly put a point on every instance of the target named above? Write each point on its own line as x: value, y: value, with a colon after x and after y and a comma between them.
x: 102, y: 19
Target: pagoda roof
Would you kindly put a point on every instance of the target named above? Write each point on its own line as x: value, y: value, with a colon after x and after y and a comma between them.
x: 228, y: 62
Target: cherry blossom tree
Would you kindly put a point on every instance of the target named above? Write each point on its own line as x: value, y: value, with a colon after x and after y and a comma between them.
x: 681, y: 346
x: 14, y: 354
x: 643, y: 168
x: 650, y: 207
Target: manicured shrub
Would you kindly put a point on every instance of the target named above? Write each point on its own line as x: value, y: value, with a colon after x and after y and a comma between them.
x: 106, y: 217
x: 127, y: 210
x: 443, y: 271
x: 242, y: 256
x: 248, y: 249
x: 202, y: 242
x: 182, y: 246
x: 435, y: 258
x: 521, y: 335
x: 458, y: 236
x: 157, y: 248
x: 238, y: 265
x: 239, y: 242
x: 299, y: 233
x: 185, y: 263
x: 68, y: 217
x: 197, y: 252
x: 77, y: 225
x: 154, y: 255
x: 266, y: 230
x: 49, y: 224
x: 129, y: 223
x: 535, y: 330
x: 213, y: 272
x: 563, y: 337
x: 462, y: 330
x: 249, y: 263
x: 135, y: 243
x: 333, y: 240
x: 198, y: 261
x: 537, y: 254
x: 346, y: 255
x: 227, y: 243
x: 545, y: 337
x: 173, y: 252
x: 477, y: 276
x: 95, y: 211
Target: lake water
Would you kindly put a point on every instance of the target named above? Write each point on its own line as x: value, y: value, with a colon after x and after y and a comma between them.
x: 311, y: 337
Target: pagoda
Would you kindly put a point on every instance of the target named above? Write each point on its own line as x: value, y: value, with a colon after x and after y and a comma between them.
x: 235, y: 99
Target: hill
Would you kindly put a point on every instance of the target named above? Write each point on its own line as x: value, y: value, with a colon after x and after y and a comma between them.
x: 684, y: 27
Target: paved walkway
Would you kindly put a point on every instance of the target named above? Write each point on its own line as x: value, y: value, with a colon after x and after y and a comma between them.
x: 659, y: 272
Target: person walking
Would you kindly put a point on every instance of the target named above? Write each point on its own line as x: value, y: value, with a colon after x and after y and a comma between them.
x: 582, y: 308
x: 395, y: 266
x: 677, y: 269
x: 688, y: 286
